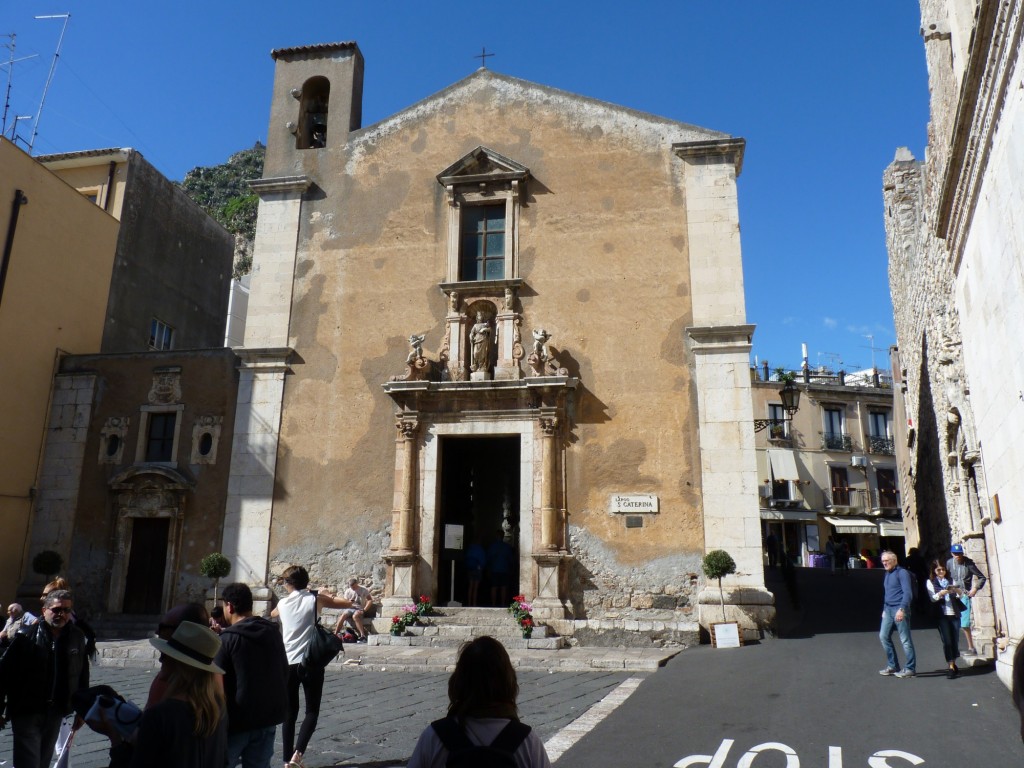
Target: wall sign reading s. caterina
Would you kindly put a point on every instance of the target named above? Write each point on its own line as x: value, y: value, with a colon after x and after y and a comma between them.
x: 633, y: 504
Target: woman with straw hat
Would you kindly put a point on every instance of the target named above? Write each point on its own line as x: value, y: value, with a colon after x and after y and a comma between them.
x: 187, y: 729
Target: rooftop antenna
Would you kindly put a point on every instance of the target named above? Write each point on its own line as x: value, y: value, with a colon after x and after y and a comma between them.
x: 49, y: 77
x: 10, y: 77
x: 15, y: 138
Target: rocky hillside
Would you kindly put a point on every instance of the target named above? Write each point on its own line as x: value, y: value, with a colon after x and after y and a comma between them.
x: 223, y: 192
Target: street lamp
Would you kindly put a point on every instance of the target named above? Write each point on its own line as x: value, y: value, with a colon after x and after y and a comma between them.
x: 790, y: 395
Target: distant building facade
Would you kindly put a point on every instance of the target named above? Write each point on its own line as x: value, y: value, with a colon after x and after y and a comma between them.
x: 504, y: 313
x: 955, y: 227
x: 133, y: 496
x: 830, y: 470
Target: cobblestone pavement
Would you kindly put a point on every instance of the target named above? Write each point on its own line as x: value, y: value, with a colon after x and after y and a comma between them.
x: 372, y: 718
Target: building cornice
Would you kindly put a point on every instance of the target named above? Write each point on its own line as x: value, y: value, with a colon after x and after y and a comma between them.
x: 997, y: 36
x: 730, y: 150
x: 285, y: 184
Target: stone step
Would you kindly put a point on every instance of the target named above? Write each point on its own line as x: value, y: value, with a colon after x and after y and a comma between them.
x: 125, y: 626
x: 407, y: 658
x: 449, y: 641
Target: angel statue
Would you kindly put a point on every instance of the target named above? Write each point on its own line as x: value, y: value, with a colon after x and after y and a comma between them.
x: 540, y: 339
x: 416, y: 342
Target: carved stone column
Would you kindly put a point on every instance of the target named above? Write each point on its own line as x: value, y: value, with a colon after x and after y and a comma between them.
x: 402, y: 554
x: 549, y: 523
x: 510, y: 348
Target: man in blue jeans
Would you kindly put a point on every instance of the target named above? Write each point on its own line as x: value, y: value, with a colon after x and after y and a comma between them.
x: 255, y: 678
x: 899, y: 593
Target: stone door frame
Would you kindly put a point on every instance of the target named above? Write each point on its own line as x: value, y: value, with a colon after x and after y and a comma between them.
x: 145, y: 492
x: 430, y: 534
x: 537, y: 411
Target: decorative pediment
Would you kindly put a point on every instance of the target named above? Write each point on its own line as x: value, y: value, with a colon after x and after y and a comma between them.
x: 482, y: 166
x: 151, y: 474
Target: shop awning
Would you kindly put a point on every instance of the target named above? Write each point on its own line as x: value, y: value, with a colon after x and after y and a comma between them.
x: 783, y: 464
x: 789, y: 515
x: 891, y: 528
x: 852, y: 524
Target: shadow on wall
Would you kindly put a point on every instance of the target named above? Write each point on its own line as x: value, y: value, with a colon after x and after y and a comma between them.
x: 933, y: 516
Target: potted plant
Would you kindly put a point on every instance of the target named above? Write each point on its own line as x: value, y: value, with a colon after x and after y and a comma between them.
x: 47, y: 563
x: 717, y: 564
x: 215, y: 566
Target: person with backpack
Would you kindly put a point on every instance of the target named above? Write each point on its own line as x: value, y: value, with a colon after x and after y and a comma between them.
x: 482, y: 726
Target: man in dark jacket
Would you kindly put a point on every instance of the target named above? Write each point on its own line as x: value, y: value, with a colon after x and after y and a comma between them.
x: 255, y: 680
x: 44, y: 665
x: 966, y: 575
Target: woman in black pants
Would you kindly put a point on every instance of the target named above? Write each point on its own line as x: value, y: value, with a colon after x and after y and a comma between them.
x: 944, y: 594
x: 298, y: 611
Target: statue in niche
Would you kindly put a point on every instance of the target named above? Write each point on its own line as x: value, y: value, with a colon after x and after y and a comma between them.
x: 416, y: 353
x: 480, y: 336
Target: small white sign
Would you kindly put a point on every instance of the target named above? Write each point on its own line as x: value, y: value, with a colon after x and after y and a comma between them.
x: 727, y: 635
x: 453, y: 536
x: 633, y: 503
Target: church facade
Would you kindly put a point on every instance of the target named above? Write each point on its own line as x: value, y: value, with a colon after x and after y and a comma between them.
x: 508, y: 316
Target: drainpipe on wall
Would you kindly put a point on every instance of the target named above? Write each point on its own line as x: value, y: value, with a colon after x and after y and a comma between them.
x: 19, y: 200
x: 110, y: 186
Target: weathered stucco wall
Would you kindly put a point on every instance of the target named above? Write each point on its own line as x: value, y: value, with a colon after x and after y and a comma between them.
x: 603, y: 253
x: 53, y: 298
x: 173, y: 263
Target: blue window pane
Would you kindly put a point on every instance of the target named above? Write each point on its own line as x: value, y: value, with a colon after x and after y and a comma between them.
x: 496, y: 245
x: 495, y: 269
x: 495, y: 218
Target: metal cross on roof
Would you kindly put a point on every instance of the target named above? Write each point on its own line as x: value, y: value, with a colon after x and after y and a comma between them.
x: 483, y: 56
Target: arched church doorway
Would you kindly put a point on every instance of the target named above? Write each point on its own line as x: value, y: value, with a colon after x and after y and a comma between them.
x: 479, y: 498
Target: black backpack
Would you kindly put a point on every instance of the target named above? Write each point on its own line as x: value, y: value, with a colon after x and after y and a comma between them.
x: 462, y: 753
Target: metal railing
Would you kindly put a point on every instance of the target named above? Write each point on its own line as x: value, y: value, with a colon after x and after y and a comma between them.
x: 885, y: 500
x: 831, y: 442
x: 885, y: 446
x: 853, y: 498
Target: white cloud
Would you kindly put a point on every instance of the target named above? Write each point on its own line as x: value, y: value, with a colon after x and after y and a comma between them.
x: 830, y: 322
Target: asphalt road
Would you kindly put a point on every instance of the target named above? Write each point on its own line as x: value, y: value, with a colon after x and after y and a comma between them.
x: 811, y: 698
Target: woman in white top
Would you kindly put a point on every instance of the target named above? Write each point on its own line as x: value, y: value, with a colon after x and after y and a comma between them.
x: 943, y: 591
x: 482, y: 693
x: 298, y: 611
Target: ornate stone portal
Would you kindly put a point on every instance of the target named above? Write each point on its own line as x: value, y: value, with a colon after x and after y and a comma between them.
x: 146, y: 491
x: 438, y: 399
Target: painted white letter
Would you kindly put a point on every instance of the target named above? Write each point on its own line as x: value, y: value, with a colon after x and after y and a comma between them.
x: 878, y: 760
x: 711, y: 762
x: 792, y: 761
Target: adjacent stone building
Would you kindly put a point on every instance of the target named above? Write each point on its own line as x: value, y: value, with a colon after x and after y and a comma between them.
x: 505, y: 313
x: 955, y: 227
x: 134, y: 475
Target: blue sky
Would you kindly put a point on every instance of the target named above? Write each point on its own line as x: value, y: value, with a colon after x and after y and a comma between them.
x: 823, y: 93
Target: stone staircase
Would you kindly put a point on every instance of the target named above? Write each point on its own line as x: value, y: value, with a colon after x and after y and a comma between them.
x: 451, y: 627
x: 111, y: 627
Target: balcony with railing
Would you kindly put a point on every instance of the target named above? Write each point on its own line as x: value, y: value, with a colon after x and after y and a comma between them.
x: 836, y: 442
x: 884, y: 446
x: 885, y: 501
x: 844, y: 500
